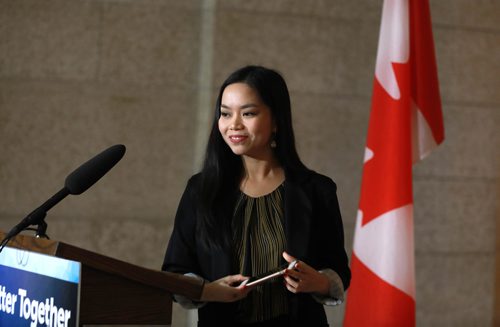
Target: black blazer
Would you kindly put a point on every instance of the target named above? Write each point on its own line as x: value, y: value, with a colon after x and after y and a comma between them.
x: 314, y: 233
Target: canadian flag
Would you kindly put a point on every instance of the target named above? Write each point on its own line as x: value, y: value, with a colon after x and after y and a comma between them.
x: 405, y: 125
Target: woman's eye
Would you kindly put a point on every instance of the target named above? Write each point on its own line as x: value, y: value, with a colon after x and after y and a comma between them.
x: 250, y: 114
x: 224, y: 114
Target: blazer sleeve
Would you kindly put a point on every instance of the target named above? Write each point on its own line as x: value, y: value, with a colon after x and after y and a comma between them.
x: 181, y: 255
x: 330, y: 231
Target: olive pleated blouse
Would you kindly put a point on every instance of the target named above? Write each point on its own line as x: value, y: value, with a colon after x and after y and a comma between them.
x: 259, y: 241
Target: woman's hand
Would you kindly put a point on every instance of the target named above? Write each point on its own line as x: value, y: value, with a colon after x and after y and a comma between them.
x: 226, y: 289
x: 305, y: 279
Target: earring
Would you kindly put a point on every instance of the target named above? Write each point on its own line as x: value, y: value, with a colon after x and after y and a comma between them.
x: 273, y: 142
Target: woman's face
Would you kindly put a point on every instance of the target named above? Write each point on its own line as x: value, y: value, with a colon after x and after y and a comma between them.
x: 245, y: 122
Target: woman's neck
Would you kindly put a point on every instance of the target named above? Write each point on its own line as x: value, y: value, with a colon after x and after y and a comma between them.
x: 261, y: 176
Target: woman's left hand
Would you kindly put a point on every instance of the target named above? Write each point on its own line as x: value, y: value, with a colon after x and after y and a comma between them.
x: 304, y: 278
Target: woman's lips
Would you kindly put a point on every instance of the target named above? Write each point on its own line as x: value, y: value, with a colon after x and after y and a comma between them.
x: 237, y: 138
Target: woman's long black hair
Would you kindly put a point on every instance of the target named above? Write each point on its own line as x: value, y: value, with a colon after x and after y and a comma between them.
x: 223, y: 170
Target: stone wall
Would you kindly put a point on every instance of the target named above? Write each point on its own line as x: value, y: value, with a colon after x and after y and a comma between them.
x: 79, y: 76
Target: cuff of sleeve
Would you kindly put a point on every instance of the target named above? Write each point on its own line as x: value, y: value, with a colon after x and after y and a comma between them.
x: 186, y: 302
x: 336, y: 294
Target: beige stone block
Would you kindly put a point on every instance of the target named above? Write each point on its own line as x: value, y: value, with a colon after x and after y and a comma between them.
x: 331, y: 135
x: 8, y: 221
x: 454, y: 215
x: 462, y: 13
x: 343, y: 9
x: 49, y: 39
x: 175, y: 4
x: 48, y: 130
x: 331, y: 131
x: 138, y: 241
x: 480, y: 14
x: 455, y: 289
x: 315, y: 55
x: 468, y: 66
x: 471, y: 147
x: 154, y: 44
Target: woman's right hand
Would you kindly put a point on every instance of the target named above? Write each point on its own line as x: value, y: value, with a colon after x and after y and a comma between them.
x: 226, y: 289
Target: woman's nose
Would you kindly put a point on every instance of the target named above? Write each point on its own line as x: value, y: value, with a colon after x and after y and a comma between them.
x: 235, y: 123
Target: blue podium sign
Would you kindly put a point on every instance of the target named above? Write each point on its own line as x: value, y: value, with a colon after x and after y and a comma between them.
x: 38, y: 290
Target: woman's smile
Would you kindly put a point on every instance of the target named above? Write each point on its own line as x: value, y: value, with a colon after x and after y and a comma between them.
x: 236, y: 139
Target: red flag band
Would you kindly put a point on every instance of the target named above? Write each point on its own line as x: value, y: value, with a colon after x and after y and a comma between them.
x: 405, y: 125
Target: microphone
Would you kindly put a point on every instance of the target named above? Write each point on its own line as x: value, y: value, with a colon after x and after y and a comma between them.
x: 90, y: 172
x: 76, y: 183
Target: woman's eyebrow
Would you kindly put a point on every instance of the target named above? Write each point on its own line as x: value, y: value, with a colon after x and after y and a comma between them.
x: 245, y: 106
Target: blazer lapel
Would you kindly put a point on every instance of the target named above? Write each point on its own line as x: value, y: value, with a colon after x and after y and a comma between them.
x: 298, y: 211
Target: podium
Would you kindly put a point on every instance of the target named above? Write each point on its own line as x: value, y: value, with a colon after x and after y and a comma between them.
x: 114, y: 291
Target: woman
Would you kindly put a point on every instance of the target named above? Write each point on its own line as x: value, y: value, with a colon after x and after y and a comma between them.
x: 253, y: 207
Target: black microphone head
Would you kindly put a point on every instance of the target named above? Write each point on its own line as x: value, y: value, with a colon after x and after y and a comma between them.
x: 90, y: 172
